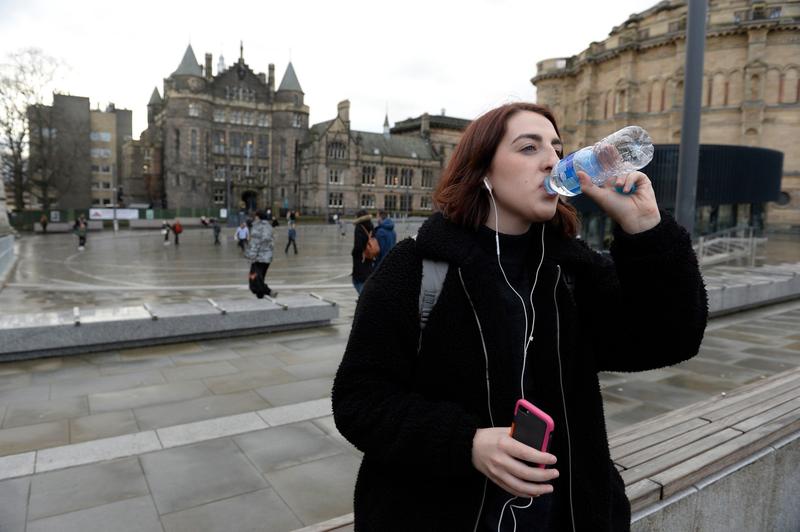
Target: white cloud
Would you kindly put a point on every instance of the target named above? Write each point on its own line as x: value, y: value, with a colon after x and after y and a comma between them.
x: 415, y: 55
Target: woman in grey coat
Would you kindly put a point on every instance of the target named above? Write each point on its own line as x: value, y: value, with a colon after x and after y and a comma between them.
x: 259, y: 252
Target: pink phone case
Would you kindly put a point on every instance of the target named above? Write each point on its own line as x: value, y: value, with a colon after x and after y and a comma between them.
x: 548, y: 421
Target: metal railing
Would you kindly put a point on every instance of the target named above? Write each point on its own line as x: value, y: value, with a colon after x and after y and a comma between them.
x: 738, y: 244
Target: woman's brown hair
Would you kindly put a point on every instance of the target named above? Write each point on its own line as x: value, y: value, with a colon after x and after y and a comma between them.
x: 460, y: 195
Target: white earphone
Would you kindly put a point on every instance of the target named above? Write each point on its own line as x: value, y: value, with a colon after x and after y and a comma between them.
x: 487, y: 184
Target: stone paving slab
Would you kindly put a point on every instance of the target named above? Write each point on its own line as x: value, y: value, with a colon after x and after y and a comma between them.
x: 259, y: 511
x: 185, y: 477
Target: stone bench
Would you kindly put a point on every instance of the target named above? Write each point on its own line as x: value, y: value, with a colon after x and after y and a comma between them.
x: 28, y: 336
x: 66, y: 227
x: 732, y: 459
x: 732, y: 289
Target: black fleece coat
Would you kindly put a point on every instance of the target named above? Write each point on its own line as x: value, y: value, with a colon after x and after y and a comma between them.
x: 414, y: 415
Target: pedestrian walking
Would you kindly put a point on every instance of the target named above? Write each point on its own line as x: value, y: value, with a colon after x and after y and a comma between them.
x: 384, y: 233
x: 177, y: 229
x: 242, y: 236
x: 363, y: 264
x: 81, y: 228
x: 165, y: 229
x: 428, y: 386
x: 259, y: 252
x: 43, y: 222
x: 292, y: 233
x: 216, y: 228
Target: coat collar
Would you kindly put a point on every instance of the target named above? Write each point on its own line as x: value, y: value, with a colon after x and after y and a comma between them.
x: 441, y: 239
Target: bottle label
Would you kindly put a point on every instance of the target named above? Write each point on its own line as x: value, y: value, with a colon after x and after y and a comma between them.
x: 570, y: 177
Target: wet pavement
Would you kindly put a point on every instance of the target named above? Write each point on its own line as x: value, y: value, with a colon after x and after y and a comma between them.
x: 240, y: 433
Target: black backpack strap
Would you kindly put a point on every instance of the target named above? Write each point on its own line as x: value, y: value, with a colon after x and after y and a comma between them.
x: 433, y: 275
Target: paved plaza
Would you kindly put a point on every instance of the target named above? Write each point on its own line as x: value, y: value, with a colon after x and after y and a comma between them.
x: 236, y: 434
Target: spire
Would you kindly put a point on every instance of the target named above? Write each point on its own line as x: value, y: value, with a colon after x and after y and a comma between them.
x: 386, y: 132
x: 241, y: 51
x: 155, y: 98
x: 221, y: 64
x: 289, y: 81
x: 189, y: 65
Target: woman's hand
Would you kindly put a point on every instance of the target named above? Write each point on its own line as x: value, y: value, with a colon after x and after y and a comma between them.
x: 497, y: 455
x: 636, y: 212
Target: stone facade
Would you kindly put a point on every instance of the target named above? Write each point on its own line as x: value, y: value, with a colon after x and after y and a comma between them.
x: 751, y: 88
x: 233, y: 140
x: 344, y: 170
x: 76, y: 152
x: 233, y: 130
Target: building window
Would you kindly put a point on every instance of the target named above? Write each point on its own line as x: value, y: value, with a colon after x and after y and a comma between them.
x: 263, y: 146
x: 406, y: 177
x: 219, y: 196
x: 775, y: 12
x: 100, y: 153
x: 367, y: 175
x: 95, y: 168
x: 263, y: 173
x: 390, y: 178
x: 263, y: 120
x: 406, y: 201
x: 678, y: 25
x: 194, y: 109
x: 336, y: 199
x: 368, y: 201
x: 177, y: 144
x: 219, y: 115
x: 218, y: 138
x: 100, y: 136
x: 236, y: 143
x: 219, y: 172
x: 390, y: 202
x: 425, y: 203
x: 427, y: 178
x: 333, y: 176
x: 336, y: 150
x: 193, y: 146
x: 105, y: 184
x: 297, y: 120
x: 105, y: 168
x: 644, y: 34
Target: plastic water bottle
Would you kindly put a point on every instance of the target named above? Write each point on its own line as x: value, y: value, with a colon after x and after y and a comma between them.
x: 620, y: 153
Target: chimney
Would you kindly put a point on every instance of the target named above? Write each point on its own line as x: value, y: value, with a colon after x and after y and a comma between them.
x: 271, y: 82
x: 208, y: 67
x: 425, y: 126
x: 344, y: 111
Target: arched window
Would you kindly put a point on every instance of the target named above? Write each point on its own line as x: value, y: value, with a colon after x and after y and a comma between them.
x: 336, y: 150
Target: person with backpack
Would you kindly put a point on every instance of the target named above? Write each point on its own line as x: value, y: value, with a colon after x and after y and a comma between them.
x: 81, y: 228
x: 165, y: 229
x: 292, y: 234
x: 259, y: 252
x: 524, y: 311
x: 177, y: 229
x: 384, y: 233
x: 363, y: 250
x: 217, y: 230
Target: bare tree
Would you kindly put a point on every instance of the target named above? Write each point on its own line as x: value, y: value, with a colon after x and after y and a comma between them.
x: 25, y: 77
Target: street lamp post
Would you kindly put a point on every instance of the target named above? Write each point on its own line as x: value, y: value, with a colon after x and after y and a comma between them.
x: 114, y: 197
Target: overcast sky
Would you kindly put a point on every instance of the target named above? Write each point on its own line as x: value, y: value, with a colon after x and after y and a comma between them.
x: 414, y: 56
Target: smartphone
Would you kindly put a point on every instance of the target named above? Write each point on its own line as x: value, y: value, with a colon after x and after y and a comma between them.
x: 532, y: 427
